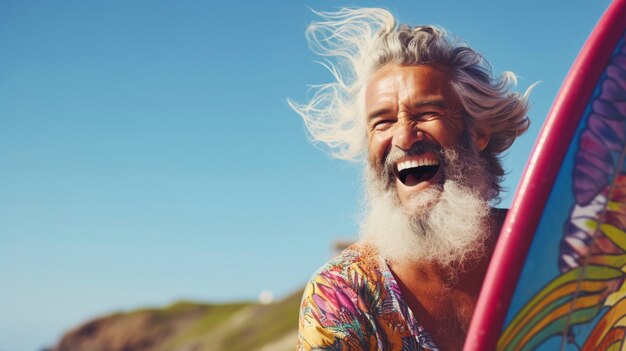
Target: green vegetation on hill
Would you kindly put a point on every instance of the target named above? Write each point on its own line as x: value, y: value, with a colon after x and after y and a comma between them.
x: 190, y: 326
x: 268, y: 323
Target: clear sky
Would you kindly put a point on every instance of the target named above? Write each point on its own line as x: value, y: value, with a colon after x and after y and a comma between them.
x: 147, y: 152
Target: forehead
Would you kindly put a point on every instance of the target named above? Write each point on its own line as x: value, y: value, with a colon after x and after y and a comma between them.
x: 408, y: 85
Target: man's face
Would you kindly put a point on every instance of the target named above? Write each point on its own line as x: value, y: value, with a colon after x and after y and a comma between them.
x: 412, y: 113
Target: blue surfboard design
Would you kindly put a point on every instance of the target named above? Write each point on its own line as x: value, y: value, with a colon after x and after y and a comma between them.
x: 579, y: 302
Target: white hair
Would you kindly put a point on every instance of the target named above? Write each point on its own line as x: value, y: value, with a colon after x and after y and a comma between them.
x: 357, y: 42
x: 447, y: 224
x: 453, y: 233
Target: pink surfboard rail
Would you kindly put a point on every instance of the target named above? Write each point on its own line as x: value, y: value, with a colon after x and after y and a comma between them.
x: 540, y: 174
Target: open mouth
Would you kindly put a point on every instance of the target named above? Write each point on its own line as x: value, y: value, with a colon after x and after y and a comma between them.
x: 414, y: 171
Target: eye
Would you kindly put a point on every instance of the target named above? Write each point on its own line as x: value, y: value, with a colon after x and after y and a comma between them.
x: 429, y: 116
x: 382, y: 124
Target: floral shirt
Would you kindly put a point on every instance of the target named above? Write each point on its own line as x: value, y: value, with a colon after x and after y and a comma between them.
x: 354, y: 303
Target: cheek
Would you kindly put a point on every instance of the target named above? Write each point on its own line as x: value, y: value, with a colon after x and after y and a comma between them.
x: 378, y: 147
x: 448, y: 134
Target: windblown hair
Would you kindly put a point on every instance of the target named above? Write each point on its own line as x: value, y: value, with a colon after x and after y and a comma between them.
x: 357, y: 42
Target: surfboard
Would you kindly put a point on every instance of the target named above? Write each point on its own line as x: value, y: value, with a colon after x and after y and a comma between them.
x: 557, y: 280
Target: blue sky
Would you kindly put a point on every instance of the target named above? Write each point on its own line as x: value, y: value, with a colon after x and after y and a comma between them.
x: 147, y: 152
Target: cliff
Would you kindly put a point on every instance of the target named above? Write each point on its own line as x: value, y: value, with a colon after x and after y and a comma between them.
x: 190, y: 326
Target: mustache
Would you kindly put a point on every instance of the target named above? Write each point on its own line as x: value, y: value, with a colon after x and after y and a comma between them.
x: 416, y: 149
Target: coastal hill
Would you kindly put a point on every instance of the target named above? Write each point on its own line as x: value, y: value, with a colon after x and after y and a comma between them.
x: 191, y: 326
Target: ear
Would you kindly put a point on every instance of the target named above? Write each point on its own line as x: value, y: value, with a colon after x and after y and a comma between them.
x: 481, y: 140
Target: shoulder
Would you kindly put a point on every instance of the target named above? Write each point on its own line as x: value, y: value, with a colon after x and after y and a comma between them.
x: 498, y: 216
x: 358, y: 264
x: 333, y: 309
x: 499, y: 212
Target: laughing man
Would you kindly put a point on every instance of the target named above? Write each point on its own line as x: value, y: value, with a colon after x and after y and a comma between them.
x: 429, y: 118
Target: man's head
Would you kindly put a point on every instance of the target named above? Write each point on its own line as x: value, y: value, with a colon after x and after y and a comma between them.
x: 426, y: 113
x: 412, y: 113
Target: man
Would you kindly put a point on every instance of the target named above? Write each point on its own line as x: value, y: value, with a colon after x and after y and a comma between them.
x: 430, y: 120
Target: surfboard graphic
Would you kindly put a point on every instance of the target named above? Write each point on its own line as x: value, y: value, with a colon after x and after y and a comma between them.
x: 557, y: 278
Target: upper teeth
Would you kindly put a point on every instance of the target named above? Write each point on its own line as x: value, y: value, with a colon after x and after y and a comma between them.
x: 416, y: 163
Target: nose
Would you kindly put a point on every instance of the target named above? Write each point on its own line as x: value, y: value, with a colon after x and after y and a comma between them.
x: 406, y: 134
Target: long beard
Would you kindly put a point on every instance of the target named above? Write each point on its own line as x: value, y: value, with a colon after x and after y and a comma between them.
x: 445, y: 224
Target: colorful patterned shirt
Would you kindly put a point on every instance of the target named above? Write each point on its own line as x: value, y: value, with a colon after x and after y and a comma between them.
x: 353, y: 303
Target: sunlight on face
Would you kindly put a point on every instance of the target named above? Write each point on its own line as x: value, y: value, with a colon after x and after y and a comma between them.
x: 408, y: 107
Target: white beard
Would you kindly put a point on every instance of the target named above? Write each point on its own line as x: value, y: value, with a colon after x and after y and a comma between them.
x: 446, y: 225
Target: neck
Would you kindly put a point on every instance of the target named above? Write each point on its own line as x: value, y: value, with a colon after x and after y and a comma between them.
x: 443, y: 298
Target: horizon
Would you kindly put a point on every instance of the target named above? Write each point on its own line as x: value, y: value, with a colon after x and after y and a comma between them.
x: 148, y: 154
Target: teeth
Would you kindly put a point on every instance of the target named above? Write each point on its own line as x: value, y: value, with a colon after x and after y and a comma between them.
x: 416, y: 163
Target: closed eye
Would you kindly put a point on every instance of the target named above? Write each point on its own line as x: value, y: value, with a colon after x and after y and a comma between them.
x: 382, y: 124
x: 429, y: 116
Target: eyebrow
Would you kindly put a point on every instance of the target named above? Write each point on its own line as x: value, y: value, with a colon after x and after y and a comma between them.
x: 431, y: 102
x: 440, y: 103
x: 377, y: 113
